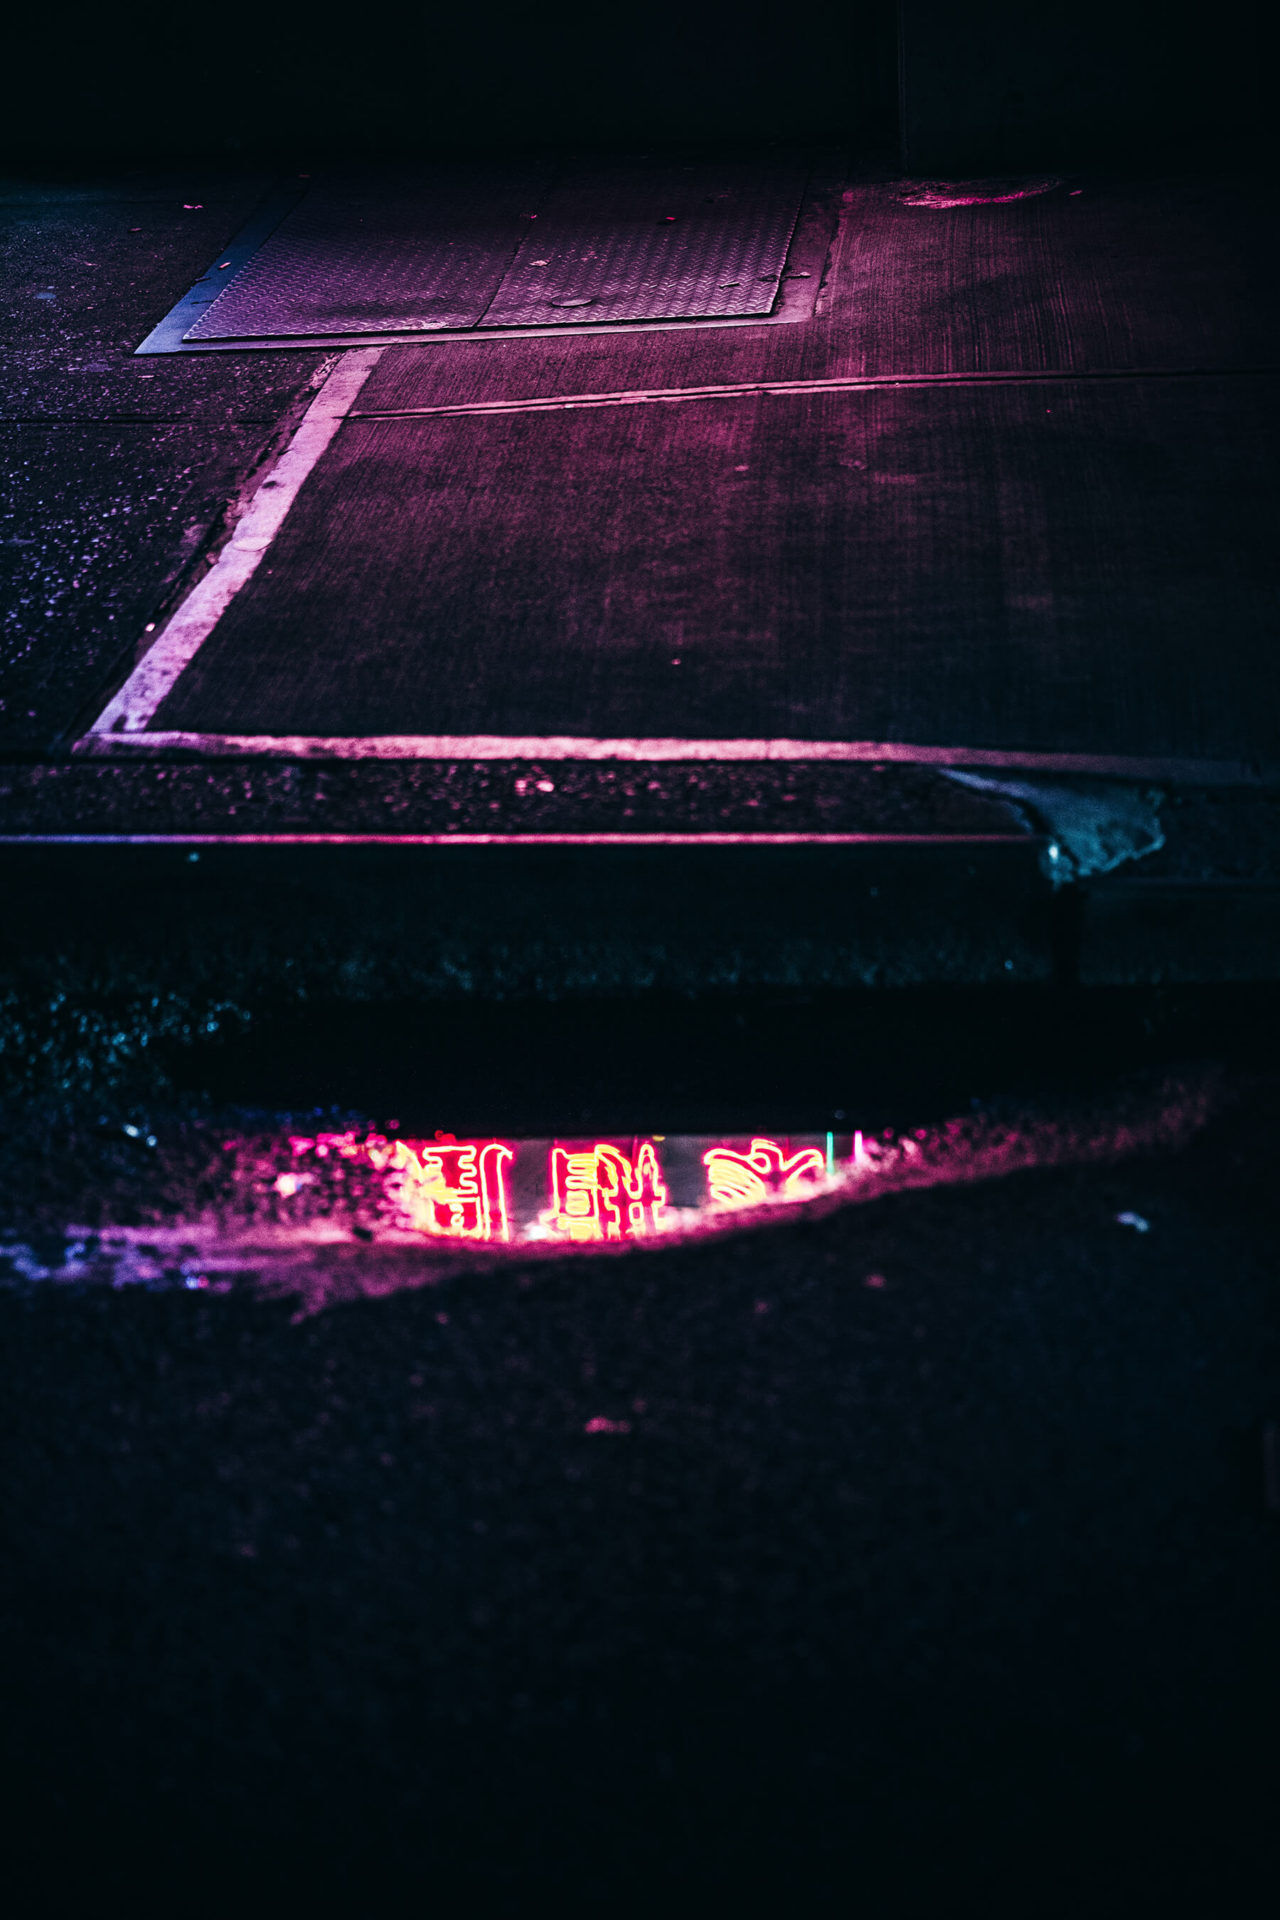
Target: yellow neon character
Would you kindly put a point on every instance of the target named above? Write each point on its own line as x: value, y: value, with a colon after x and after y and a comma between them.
x: 599, y: 1193
x: 458, y: 1192
x: 765, y: 1173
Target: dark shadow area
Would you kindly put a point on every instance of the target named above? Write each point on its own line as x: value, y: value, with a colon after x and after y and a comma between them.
x: 1000, y: 84
x: 985, y: 86
x: 289, y: 83
x: 794, y: 1060
x: 925, y: 1568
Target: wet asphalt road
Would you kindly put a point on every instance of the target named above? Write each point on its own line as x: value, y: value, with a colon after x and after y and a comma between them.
x: 952, y: 1595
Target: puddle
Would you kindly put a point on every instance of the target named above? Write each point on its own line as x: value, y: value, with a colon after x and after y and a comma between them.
x: 339, y: 1212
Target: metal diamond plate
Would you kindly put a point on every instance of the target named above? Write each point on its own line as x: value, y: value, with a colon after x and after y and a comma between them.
x: 415, y: 255
x: 456, y: 248
x: 654, y: 243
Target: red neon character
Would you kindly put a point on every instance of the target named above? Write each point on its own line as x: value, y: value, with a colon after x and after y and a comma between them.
x: 766, y: 1173
x: 458, y: 1192
x: 598, y: 1193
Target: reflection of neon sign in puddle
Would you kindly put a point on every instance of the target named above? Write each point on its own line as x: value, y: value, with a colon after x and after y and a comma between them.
x: 579, y: 1193
x: 329, y: 1216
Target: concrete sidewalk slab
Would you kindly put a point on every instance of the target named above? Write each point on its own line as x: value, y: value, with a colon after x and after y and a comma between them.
x: 1046, y: 568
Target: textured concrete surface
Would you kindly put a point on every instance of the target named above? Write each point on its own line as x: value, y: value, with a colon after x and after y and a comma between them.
x: 1065, y: 567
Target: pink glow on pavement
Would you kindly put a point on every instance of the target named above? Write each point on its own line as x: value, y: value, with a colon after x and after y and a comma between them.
x: 354, y: 1213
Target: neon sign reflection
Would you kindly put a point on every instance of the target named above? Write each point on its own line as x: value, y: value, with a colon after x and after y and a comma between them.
x: 456, y: 1192
x: 522, y: 1192
x: 336, y: 1215
x: 765, y: 1173
x: 603, y: 1194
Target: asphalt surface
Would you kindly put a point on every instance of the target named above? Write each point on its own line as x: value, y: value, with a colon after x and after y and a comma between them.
x: 933, y: 1571
x: 116, y: 481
